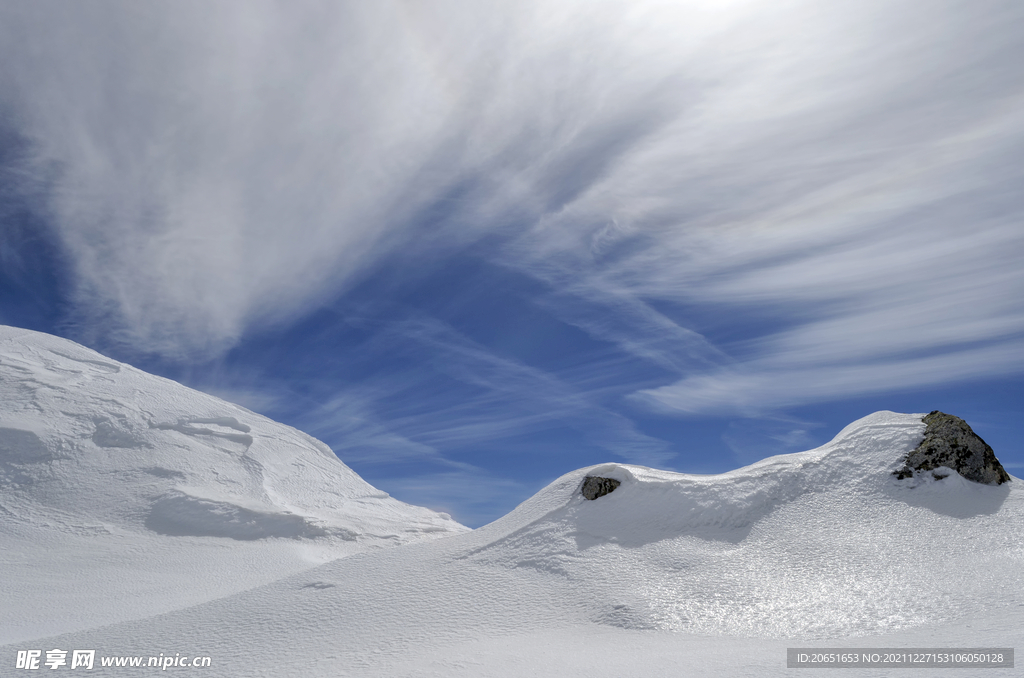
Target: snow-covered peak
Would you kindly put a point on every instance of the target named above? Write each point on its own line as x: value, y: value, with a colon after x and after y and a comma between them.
x: 96, y: 452
x: 115, y: 446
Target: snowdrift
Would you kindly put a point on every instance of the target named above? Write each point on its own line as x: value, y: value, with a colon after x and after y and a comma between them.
x: 818, y: 544
x: 125, y: 494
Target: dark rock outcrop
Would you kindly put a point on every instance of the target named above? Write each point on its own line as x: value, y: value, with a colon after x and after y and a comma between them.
x: 594, y: 487
x: 949, y: 441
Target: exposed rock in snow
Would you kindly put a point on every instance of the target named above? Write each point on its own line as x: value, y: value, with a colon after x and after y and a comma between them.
x: 949, y: 443
x: 594, y: 487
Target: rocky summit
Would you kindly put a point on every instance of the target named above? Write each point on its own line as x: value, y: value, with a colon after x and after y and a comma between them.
x: 950, y: 442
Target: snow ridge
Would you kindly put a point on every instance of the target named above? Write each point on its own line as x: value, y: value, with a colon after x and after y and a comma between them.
x: 154, y: 477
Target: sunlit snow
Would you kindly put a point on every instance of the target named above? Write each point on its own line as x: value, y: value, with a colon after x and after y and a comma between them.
x: 141, y: 517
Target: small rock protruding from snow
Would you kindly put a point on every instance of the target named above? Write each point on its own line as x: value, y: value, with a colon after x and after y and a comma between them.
x: 594, y: 487
x: 950, y: 442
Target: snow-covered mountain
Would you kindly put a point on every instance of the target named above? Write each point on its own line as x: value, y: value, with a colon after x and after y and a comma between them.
x: 124, y: 494
x: 668, y: 575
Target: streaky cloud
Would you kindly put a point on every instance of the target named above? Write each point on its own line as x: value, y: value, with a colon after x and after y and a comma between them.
x: 512, y: 398
x: 849, y: 173
x: 759, y: 387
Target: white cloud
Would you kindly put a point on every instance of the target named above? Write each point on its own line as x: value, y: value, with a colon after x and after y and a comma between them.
x: 218, y: 166
x: 759, y: 386
x: 849, y: 170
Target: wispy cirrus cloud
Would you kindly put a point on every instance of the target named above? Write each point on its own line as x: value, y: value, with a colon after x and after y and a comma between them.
x: 837, y: 186
x: 865, y: 240
x: 408, y: 417
x: 219, y: 168
x: 761, y: 386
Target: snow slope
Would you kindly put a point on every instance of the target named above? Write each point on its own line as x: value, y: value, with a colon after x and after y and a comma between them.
x: 668, y: 575
x: 125, y: 495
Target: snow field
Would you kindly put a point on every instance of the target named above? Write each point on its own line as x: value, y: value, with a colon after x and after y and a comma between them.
x: 141, y: 517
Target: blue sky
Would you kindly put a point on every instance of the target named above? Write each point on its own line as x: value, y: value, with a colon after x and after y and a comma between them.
x: 473, y: 246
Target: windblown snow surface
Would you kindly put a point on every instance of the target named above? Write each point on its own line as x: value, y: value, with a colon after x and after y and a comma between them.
x: 125, y: 495
x: 669, y: 575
